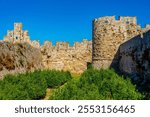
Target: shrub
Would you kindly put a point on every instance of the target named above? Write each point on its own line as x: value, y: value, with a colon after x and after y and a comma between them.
x: 23, y: 86
x: 31, y: 85
x: 35, y: 84
x: 98, y: 84
x: 56, y: 78
x: 74, y: 91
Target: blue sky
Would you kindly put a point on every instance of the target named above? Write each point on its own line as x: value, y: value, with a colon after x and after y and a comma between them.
x: 66, y: 20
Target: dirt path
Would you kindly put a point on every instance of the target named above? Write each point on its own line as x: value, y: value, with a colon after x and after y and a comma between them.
x: 48, y: 93
x: 50, y: 90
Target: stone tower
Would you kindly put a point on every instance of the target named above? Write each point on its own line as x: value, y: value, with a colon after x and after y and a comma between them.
x: 17, y: 35
x: 108, y: 35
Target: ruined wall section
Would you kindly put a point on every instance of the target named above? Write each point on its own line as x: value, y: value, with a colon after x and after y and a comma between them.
x: 128, y: 20
x: 65, y: 57
x: 108, y: 35
x: 60, y: 57
x: 18, y: 35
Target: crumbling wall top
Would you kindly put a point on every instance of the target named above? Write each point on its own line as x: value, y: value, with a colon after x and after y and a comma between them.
x: 128, y: 20
x: 17, y: 26
x: 112, y: 19
x: 105, y: 20
x: 62, y: 45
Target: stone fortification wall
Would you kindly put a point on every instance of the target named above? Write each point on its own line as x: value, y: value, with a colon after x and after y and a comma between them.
x: 113, y: 43
x: 60, y: 57
x: 108, y: 35
x: 135, y: 56
x: 64, y: 57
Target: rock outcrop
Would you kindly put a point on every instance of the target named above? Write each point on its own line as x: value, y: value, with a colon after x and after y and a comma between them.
x: 18, y: 58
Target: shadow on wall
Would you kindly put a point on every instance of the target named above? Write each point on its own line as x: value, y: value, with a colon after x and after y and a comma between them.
x: 124, y: 58
x: 133, y: 59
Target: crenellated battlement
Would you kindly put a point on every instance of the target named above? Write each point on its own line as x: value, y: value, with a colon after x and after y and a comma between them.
x: 105, y: 20
x: 128, y: 20
x: 84, y: 44
x: 20, y: 36
x: 112, y: 19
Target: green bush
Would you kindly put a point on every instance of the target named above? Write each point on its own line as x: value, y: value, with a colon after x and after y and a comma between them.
x: 22, y: 87
x: 56, y: 78
x: 72, y: 90
x: 97, y: 84
x: 31, y: 85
